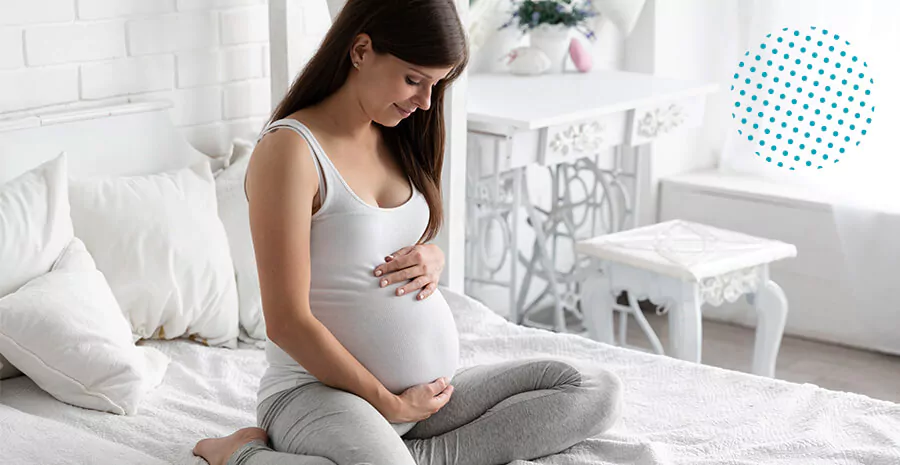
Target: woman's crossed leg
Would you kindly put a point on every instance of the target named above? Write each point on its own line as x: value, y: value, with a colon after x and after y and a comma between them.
x: 498, y: 413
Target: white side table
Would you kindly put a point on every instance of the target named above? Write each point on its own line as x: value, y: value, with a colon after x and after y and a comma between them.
x: 564, y: 125
x: 682, y: 265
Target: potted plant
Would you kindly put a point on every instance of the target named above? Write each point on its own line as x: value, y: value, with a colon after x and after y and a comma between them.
x: 549, y: 24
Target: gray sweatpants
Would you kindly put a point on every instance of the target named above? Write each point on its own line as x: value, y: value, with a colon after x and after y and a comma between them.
x: 498, y: 413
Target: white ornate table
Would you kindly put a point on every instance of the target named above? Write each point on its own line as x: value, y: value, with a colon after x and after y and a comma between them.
x: 682, y: 265
x: 567, y: 125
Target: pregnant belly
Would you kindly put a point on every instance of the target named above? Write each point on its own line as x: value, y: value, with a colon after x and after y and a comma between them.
x: 400, y: 340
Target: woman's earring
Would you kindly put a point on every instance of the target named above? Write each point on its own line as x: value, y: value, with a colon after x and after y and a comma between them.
x: 356, y: 65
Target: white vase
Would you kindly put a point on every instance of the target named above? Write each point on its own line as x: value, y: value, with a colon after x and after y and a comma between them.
x: 553, y: 40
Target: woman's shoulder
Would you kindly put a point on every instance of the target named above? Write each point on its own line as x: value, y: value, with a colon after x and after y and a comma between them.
x: 281, y: 142
x: 281, y: 156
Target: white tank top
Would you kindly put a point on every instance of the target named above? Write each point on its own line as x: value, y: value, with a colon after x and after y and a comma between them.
x: 402, y: 341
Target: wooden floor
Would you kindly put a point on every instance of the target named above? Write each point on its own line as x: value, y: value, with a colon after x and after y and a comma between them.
x: 799, y: 360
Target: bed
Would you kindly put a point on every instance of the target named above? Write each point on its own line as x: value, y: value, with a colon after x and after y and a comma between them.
x: 675, y: 412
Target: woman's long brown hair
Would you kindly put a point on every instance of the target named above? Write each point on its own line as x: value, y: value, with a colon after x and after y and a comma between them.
x: 422, y: 32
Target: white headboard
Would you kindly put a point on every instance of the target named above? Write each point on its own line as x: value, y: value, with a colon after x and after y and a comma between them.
x: 129, y: 138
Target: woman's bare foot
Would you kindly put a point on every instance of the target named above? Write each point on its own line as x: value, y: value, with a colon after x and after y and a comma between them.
x: 217, y: 451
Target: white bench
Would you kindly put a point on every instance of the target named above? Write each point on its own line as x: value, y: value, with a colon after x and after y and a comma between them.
x: 682, y: 265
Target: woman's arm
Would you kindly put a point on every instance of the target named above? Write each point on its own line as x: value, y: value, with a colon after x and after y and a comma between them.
x: 281, y: 184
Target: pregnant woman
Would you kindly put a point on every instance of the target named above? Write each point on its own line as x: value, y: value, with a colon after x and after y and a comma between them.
x: 363, y: 350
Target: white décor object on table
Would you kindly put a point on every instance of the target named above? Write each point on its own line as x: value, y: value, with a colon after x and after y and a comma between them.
x: 234, y: 211
x: 160, y: 243
x: 549, y: 25
x: 682, y: 265
x: 553, y: 40
x: 65, y: 331
x: 580, y: 56
x: 528, y: 61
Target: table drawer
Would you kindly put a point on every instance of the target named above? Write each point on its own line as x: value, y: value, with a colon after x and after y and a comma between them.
x: 569, y: 142
x: 488, y: 153
x: 649, y: 122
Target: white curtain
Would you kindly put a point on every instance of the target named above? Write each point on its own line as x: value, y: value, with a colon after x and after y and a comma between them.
x: 863, y: 188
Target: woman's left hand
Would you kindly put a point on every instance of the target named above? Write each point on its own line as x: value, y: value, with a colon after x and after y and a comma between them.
x: 421, y: 263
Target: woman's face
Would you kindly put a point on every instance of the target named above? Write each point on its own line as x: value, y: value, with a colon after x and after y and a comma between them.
x: 391, y: 89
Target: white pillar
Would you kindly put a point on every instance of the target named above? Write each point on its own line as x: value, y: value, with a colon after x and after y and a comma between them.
x: 291, y: 41
x: 640, y: 56
x: 452, y: 238
x: 334, y: 7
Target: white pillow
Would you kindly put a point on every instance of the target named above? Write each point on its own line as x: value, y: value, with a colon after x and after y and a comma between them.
x: 34, y: 229
x: 160, y: 243
x: 34, y: 223
x: 235, y: 214
x: 65, y: 331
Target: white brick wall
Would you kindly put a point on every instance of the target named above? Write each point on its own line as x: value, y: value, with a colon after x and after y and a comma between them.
x: 172, y: 33
x: 36, y: 11
x: 64, y: 43
x: 199, y: 67
x: 198, y: 105
x: 11, y: 48
x: 245, y: 25
x: 37, y: 87
x: 209, y: 57
x: 207, y: 67
x: 207, y: 4
x: 127, y: 76
x: 243, y: 62
x: 104, y: 9
x: 247, y: 98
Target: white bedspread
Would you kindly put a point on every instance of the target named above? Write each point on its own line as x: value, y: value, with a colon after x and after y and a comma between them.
x: 675, y: 412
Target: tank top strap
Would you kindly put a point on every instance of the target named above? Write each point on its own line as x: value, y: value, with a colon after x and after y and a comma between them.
x: 321, y: 160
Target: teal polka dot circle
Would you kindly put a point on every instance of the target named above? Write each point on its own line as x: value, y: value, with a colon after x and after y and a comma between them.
x: 802, y: 98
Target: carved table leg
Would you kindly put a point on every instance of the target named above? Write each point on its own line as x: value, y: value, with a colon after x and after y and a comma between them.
x: 643, y: 323
x: 685, y: 331
x: 771, y: 309
x: 598, y: 308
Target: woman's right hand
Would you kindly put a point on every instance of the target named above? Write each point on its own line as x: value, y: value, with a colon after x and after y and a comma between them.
x: 420, y: 401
